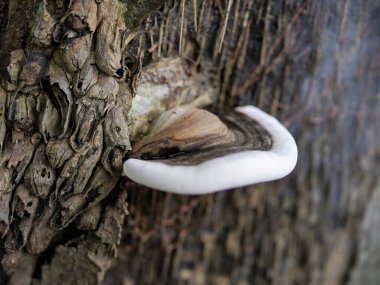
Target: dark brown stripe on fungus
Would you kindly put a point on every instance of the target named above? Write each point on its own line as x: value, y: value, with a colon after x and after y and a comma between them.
x: 236, y: 133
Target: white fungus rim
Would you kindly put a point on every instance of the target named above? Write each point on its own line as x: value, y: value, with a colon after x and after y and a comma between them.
x: 226, y: 172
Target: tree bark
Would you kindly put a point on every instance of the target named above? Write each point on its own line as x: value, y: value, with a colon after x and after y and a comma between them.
x: 70, y: 72
x: 65, y: 96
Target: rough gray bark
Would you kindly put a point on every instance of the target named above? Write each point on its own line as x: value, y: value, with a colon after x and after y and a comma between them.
x: 313, y: 64
x: 65, y: 95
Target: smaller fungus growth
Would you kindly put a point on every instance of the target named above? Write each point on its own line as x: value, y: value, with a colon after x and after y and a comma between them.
x: 191, y: 151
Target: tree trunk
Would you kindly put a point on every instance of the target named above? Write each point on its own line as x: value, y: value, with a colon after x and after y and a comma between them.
x: 69, y: 73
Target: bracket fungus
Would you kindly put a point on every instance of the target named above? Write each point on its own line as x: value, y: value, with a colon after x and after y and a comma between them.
x: 191, y: 151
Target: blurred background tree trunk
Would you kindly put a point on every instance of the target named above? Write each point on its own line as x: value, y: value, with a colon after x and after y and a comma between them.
x: 315, y: 65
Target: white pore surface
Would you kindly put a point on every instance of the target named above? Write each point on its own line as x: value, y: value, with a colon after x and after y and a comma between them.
x: 230, y: 171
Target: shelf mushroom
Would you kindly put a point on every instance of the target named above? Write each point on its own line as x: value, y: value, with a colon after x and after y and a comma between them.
x: 192, y: 151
